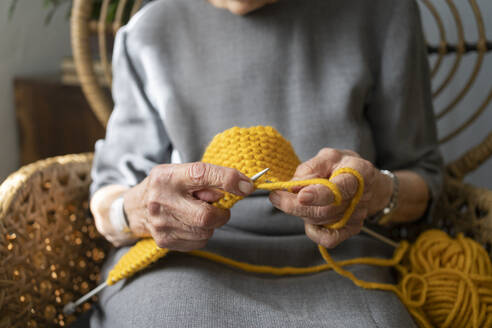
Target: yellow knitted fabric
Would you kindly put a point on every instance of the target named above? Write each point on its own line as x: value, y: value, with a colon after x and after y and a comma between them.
x: 444, y: 282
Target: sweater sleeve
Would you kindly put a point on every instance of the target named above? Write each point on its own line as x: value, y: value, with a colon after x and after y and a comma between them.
x: 136, y: 139
x: 400, y: 111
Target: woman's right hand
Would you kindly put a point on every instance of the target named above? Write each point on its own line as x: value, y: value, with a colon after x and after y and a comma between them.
x: 172, y: 205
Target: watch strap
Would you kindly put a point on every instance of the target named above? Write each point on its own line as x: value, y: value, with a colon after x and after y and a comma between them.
x: 384, y: 216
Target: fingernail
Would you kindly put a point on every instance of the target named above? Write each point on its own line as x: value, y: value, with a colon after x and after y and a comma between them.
x: 306, y: 197
x: 245, y: 187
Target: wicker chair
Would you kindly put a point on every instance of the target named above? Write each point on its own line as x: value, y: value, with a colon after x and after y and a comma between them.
x: 50, y: 251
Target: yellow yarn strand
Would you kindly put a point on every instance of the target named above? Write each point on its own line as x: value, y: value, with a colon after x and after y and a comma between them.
x: 355, y: 200
x: 444, y: 282
x: 288, y: 185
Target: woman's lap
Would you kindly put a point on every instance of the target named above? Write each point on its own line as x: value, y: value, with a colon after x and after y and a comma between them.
x: 181, y: 290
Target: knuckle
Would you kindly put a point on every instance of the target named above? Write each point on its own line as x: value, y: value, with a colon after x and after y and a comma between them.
x: 197, y: 172
x: 203, y: 218
x: 229, y: 178
x: 305, y: 168
x: 368, y: 170
x: 330, y: 153
x: 161, y: 221
x: 158, y: 211
x: 330, y: 238
x: 161, y: 175
x: 154, y: 208
x: 365, y: 163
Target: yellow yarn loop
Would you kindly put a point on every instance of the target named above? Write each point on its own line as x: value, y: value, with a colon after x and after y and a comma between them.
x: 288, y: 185
x: 444, y: 282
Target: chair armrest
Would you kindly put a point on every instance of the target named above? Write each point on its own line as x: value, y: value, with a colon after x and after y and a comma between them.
x: 466, y: 208
x: 50, y: 251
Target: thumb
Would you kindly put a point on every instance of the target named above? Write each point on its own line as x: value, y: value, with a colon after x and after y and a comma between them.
x: 209, y: 195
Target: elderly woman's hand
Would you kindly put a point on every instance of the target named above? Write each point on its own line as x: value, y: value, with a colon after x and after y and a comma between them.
x: 173, y: 203
x: 314, y: 204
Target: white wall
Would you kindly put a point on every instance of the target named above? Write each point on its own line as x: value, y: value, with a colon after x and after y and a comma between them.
x: 27, y: 48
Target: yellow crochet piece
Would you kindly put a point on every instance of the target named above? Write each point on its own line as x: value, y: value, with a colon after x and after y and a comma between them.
x: 444, y: 282
x: 137, y: 258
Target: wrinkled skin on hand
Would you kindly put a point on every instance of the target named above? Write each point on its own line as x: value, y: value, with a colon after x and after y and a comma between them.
x: 314, y: 204
x: 173, y: 204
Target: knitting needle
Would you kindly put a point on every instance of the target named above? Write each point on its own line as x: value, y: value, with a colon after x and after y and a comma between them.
x: 70, y: 307
x: 259, y: 174
x: 378, y: 236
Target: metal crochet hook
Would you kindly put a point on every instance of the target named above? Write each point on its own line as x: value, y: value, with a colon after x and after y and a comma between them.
x: 70, y: 307
x: 259, y: 174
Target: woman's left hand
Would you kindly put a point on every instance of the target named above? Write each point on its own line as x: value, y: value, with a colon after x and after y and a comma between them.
x: 315, y: 203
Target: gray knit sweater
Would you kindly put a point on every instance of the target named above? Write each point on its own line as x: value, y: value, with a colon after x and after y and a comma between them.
x: 349, y: 74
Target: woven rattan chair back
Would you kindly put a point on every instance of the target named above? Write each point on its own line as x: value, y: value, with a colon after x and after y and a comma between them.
x: 85, y: 27
x: 50, y: 250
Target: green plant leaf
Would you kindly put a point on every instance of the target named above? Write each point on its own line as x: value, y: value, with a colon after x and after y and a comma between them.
x: 112, y: 11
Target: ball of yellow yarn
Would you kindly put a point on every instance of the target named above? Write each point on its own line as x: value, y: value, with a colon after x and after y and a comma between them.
x: 447, y: 281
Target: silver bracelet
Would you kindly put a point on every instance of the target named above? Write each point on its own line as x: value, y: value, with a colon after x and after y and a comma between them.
x: 117, y: 216
x: 384, y: 215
